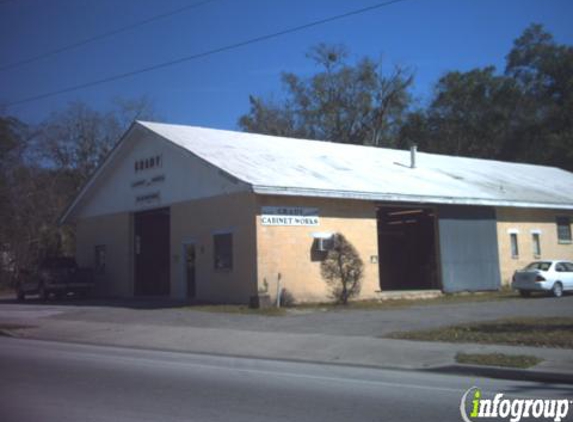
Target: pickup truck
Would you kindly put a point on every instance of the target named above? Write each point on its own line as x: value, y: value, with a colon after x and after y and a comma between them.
x: 58, y: 276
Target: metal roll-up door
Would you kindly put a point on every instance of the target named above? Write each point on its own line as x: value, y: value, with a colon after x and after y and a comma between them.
x: 468, y: 248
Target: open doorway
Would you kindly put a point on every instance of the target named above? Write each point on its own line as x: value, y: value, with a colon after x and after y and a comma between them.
x: 152, y: 252
x: 407, y: 248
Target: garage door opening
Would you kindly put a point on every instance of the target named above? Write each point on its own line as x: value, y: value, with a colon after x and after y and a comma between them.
x: 407, y: 248
x: 152, y: 252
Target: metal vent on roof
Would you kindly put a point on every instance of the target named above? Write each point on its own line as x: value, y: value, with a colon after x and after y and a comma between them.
x: 413, y: 150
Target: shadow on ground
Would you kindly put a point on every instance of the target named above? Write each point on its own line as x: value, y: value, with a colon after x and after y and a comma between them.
x: 131, y: 303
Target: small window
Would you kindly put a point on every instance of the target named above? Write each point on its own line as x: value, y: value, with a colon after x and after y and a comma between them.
x: 568, y: 267
x: 99, y: 259
x: 514, y: 246
x: 223, y: 251
x: 536, y: 243
x: 563, y: 230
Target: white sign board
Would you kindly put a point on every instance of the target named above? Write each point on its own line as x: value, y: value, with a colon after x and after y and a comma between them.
x: 289, y: 216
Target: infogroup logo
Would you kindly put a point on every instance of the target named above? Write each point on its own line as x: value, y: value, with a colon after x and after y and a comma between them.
x: 474, y: 407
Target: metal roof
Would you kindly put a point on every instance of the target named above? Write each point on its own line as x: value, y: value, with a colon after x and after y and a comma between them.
x: 287, y: 166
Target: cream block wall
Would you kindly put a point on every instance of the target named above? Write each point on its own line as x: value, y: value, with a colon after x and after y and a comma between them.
x: 197, y: 221
x: 287, y: 249
x: 113, y: 231
x: 525, y: 221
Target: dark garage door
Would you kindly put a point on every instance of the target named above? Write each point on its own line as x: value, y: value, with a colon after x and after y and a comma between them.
x: 468, y: 248
x: 152, y: 253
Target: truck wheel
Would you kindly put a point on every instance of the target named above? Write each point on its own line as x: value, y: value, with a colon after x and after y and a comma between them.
x: 557, y: 289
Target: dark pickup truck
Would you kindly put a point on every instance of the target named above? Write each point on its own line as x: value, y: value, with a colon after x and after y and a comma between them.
x: 58, y: 276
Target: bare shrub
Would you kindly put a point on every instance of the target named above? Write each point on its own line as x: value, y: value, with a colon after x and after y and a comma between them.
x: 343, y: 270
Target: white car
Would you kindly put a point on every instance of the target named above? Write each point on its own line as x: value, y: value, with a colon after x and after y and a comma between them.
x: 550, y: 276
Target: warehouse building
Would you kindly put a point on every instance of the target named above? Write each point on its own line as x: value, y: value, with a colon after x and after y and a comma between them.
x: 220, y: 216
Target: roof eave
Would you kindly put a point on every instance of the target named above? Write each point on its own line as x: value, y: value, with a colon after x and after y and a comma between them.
x: 397, y: 197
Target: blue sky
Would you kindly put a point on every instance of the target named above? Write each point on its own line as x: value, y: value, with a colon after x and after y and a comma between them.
x: 429, y: 36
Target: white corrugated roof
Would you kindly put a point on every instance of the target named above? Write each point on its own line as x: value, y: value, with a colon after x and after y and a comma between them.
x: 286, y: 166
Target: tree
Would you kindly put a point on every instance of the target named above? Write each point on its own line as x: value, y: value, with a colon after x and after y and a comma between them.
x: 76, y: 140
x: 355, y: 104
x: 544, y: 71
x: 470, y: 115
x: 12, y: 147
x: 43, y: 167
x: 342, y: 269
x: 271, y: 118
x: 524, y: 114
x: 25, y: 201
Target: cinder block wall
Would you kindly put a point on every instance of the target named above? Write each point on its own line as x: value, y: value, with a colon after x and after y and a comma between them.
x: 197, y: 221
x: 287, y: 249
x: 526, y: 220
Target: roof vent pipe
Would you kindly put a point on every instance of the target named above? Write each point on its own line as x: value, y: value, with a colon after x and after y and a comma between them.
x: 413, y: 150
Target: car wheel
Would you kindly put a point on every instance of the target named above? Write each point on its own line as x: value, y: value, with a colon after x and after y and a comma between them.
x: 43, y: 293
x: 557, y: 289
x: 525, y: 293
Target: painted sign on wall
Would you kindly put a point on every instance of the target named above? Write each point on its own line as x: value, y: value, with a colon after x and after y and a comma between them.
x: 289, y: 216
x: 148, y: 198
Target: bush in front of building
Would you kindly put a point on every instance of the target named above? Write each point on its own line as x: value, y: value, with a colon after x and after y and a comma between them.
x: 342, y: 269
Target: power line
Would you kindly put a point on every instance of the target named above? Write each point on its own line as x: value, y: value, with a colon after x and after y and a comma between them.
x: 204, y: 54
x: 101, y: 36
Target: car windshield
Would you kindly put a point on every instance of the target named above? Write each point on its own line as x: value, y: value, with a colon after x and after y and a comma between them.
x: 539, y: 265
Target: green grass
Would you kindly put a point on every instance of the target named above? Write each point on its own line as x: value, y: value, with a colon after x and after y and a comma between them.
x: 536, y: 332
x: 498, y: 359
x: 444, y: 299
x: 238, y: 309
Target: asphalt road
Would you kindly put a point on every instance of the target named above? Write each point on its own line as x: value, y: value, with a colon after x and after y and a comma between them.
x: 48, y: 381
x: 374, y: 323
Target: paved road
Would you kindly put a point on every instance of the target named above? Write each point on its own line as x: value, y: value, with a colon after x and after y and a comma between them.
x: 48, y: 381
x: 373, y: 323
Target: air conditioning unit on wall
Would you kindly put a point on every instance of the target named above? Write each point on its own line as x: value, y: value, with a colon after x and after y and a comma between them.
x: 324, y: 241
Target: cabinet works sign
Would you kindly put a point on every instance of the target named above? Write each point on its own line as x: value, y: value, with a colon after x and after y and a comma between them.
x: 289, y: 216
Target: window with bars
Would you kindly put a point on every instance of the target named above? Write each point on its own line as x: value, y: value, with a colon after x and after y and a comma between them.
x: 536, y: 244
x: 223, y: 251
x: 514, y: 245
x: 563, y: 229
